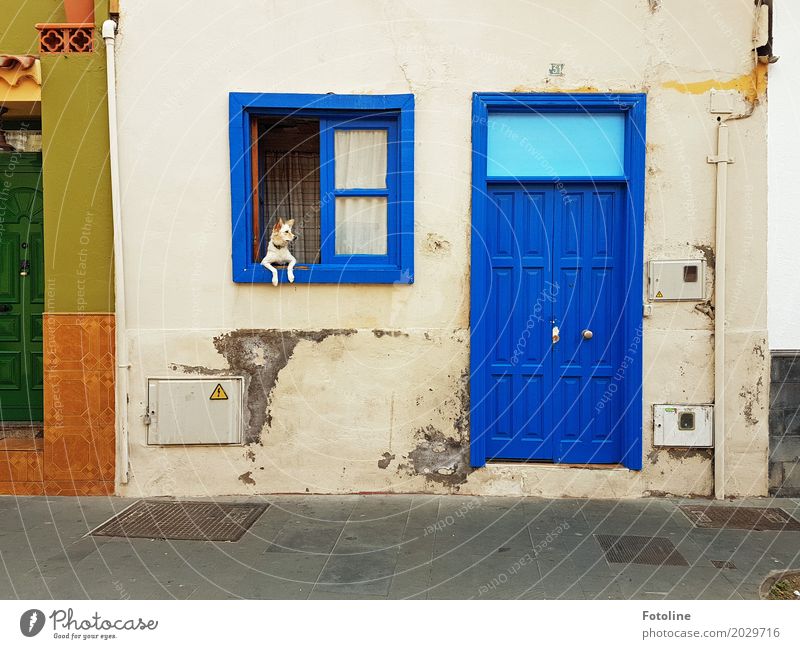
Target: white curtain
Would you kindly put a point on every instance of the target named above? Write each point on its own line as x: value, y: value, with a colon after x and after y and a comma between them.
x: 360, y: 163
x: 361, y: 225
x: 360, y: 159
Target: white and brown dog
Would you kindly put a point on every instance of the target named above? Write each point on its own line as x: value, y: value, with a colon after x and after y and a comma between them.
x: 278, y: 250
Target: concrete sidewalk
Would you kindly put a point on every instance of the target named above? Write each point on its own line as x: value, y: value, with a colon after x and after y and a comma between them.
x: 449, y: 547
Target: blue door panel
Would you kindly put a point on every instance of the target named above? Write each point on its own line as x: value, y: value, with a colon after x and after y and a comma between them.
x: 531, y: 406
x: 603, y: 224
x: 535, y: 242
x: 531, y: 348
x: 591, y: 296
x: 501, y: 423
x: 603, y: 322
x: 502, y: 306
x: 553, y: 256
x: 501, y: 228
x: 518, y: 225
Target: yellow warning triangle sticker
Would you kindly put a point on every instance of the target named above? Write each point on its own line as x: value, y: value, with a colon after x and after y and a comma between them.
x: 218, y: 393
x: 659, y: 294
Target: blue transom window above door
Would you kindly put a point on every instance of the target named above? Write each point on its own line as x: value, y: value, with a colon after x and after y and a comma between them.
x: 340, y: 166
x: 556, y: 145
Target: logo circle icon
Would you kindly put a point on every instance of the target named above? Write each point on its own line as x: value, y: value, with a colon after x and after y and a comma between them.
x: 31, y: 622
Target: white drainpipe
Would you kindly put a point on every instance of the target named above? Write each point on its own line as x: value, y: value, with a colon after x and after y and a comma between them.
x: 123, y: 365
x: 722, y: 160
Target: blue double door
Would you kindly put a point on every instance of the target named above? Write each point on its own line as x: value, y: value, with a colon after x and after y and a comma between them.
x: 548, y: 343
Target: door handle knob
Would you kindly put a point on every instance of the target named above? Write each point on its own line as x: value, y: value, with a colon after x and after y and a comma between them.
x: 587, y: 334
x: 24, y: 268
x: 5, y: 308
x: 556, y: 335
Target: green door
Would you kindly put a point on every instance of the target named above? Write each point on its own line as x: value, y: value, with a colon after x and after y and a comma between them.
x: 21, y: 287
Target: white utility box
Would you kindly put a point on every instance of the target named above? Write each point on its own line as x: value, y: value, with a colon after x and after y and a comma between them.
x: 677, y: 280
x: 184, y: 411
x: 683, y: 425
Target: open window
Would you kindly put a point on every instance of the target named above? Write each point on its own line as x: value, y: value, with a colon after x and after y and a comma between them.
x: 341, y: 167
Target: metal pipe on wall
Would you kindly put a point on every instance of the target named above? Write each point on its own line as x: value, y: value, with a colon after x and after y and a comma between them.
x: 721, y: 160
x: 122, y: 379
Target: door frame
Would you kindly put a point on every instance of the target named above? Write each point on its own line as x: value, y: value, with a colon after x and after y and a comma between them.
x: 21, y: 163
x: 633, y: 106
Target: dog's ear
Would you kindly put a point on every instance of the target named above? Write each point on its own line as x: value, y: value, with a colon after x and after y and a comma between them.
x: 290, y: 222
x: 278, y: 225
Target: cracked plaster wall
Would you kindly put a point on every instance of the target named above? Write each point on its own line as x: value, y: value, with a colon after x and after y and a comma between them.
x: 365, y: 388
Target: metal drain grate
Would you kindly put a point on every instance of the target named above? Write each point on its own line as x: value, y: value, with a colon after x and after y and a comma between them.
x: 642, y: 550
x: 740, y: 518
x: 184, y: 521
x: 723, y: 565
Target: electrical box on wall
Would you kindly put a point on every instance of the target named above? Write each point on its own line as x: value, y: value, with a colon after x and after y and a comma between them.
x: 683, y: 425
x: 676, y: 280
x: 203, y: 411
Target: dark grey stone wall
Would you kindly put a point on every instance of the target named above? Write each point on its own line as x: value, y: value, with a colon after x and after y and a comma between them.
x: 784, y: 424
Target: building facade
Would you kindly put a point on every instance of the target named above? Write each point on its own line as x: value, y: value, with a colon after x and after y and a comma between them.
x: 518, y: 227
x: 57, y: 432
x: 783, y: 292
x: 439, y: 327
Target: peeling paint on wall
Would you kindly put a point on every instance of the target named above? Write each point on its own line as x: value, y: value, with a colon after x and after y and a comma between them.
x: 570, y: 91
x: 752, y: 399
x: 752, y: 86
x: 259, y: 355
x: 706, y: 308
x: 678, y: 454
x: 436, y: 244
x: 438, y: 458
x: 394, y: 333
x: 708, y: 254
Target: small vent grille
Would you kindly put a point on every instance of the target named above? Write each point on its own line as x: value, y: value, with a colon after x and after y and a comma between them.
x: 723, y: 565
x: 642, y: 550
x: 741, y: 518
x: 186, y: 521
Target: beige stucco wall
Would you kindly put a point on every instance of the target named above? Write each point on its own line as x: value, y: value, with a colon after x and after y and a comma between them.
x: 373, y: 393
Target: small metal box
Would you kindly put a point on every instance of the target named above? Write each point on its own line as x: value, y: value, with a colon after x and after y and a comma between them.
x: 185, y: 411
x: 683, y: 425
x: 677, y: 280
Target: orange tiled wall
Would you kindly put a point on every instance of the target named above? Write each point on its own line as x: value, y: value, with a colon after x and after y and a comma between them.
x: 79, y: 437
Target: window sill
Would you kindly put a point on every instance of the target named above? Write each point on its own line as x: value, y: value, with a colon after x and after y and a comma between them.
x: 326, y: 274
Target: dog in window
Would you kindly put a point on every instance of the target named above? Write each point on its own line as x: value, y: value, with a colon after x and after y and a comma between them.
x: 278, y: 250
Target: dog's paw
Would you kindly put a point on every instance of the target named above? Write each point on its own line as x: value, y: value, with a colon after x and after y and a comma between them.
x: 291, y: 278
x: 274, y: 281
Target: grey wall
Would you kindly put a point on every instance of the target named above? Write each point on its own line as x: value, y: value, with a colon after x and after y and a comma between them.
x: 784, y: 425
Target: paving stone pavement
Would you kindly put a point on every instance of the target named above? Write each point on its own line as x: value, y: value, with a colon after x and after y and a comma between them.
x: 388, y: 546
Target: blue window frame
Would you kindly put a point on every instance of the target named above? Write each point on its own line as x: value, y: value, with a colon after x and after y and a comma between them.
x: 393, y: 114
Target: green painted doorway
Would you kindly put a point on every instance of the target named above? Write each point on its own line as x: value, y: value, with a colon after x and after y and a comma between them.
x: 21, y: 287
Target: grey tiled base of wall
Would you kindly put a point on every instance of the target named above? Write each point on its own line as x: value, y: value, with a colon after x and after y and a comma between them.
x: 784, y: 425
